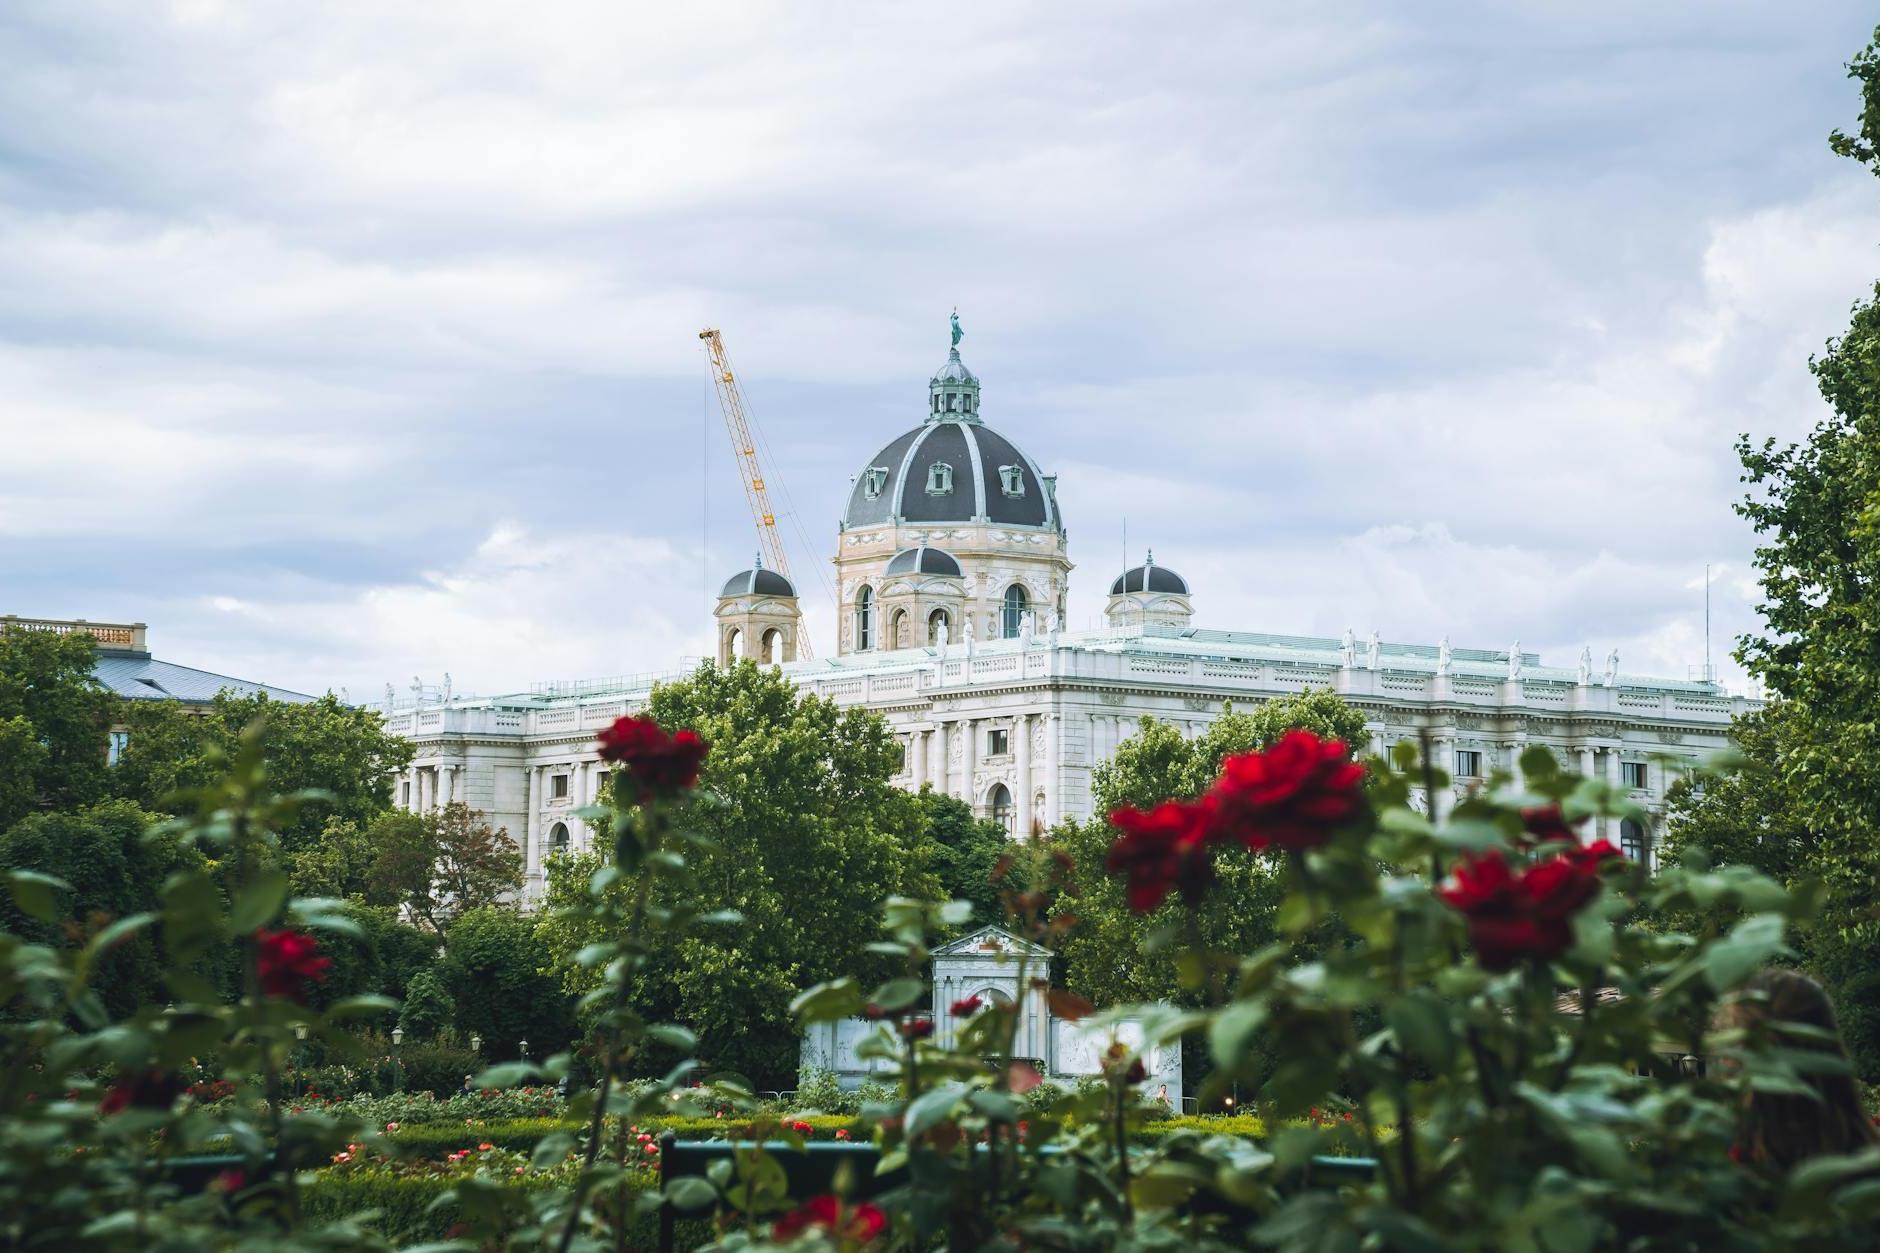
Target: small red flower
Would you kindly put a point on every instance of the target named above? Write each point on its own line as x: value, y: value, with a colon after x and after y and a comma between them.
x: 917, y: 1028
x: 1546, y: 824
x: 966, y: 1008
x: 150, y: 1088
x: 801, y: 1128
x: 662, y: 764
x: 485, y: 1147
x: 873, y: 1012
x: 842, y: 1133
x: 861, y: 1224
x: 288, y: 961
x: 230, y: 1181
x: 1291, y: 796
x: 1163, y: 850
x: 1526, y: 916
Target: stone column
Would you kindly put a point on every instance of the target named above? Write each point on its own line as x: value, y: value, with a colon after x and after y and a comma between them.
x: 937, y: 757
x: 532, y: 824
x: 1053, y: 769
x: 1021, y: 769
x: 1586, y: 763
x: 969, y: 757
x: 917, y: 753
x: 447, y: 791
x: 1610, y: 826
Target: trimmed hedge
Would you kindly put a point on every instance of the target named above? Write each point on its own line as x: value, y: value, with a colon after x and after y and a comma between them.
x: 403, y: 1207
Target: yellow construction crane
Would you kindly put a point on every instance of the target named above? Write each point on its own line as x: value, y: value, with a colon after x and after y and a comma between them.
x: 744, y: 447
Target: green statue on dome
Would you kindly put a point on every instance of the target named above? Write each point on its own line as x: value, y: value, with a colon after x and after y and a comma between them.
x: 957, y: 332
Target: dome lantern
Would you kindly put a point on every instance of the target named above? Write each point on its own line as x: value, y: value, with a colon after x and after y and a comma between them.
x: 758, y: 617
x: 1150, y: 595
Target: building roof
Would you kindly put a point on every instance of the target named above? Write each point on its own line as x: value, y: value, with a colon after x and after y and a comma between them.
x: 925, y: 560
x: 1149, y: 577
x: 758, y: 581
x: 139, y: 676
x: 986, y: 479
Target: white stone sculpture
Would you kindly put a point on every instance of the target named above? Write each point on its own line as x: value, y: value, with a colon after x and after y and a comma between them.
x: 1372, y: 651
x: 1514, y: 660
x: 1024, y: 629
x: 391, y: 698
x: 1442, y: 657
x: 968, y: 629
x: 1586, y: 666
x: 1348, y: 649
x: 1612, y: 668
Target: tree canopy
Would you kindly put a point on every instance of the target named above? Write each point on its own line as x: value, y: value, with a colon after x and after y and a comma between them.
x: 53, y: 720
x: 810, y: 837
x: 1104, y: 953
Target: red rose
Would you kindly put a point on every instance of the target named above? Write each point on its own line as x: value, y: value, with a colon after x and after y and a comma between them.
x: 662, y: 764
x: 150, y: 1088
x: 1546, y: 823
x: 1293, y: 795
x: 801, y: 1128
x: 966, y: 1008
x: 917, y: 1028
x: 861, y: 1224
x: 1528, y: 916
x: 287, y: 962
x: 1166, y: 848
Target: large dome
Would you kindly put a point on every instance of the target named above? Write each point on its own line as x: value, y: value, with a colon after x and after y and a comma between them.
x: 950, y: 471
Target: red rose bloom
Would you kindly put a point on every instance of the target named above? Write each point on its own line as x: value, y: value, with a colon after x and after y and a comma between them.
x: 150, y: 1088
x: 917, y: 1028
x: 1291, y: 796
x: 1163, y: 849
x: 288, y: 961
x: 662, y: 764
x: 861, y: 1224
x: 1514, y: 918
x: 1546, y: 824
x: 966, y: 1008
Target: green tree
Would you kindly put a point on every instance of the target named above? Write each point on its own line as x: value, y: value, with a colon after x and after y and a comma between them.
x: 441, y: 864
x: 53, y: 720
x: 962, y: 851
x: 323, y: 744
x: 810, y: 837
x: 339, y: 863
x: 1104, y: 953
x: 493, y: 971
x: 114, y: 871
x: 429, y: 1008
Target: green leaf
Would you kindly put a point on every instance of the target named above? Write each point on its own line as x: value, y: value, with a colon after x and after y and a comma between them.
x: 899, y: 993
x: 690, y: 1193
x: 115, y: 934
x: 362, y: 1006
x: 258, y: 903
x: 507, y: 1075
x: 673, y: 1036
x: 930, y: 1109
x: 32, y: 892
x: 1231, y: 1033
x: 1748, y: 947
x: 1422, y: 1028
x: 828, y: 1002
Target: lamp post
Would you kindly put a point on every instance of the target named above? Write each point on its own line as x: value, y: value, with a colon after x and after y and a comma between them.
x: 522, y: 1047
x: 300, y: 1059
x: 476, y: 1043
x: 398, y: 1074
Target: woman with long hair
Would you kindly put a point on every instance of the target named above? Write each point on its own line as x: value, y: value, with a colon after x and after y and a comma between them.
x: 1782, y: 1130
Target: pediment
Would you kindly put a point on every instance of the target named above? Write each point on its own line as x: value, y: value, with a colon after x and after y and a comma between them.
x: 992, y: 942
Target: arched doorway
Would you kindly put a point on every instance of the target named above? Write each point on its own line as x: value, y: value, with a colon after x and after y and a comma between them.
x: 999, y: 803
x: 558, y: 838
x: 1634, y: 841
x: 1016, y: 602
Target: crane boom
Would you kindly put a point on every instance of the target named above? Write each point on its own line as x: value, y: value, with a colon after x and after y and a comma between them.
x: 744, y: 447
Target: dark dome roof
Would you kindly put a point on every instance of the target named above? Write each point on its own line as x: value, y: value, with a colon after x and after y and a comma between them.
x: 924, y: 560
x: 758, y: 581
x: 1149, y: 577
x: 986, y: 477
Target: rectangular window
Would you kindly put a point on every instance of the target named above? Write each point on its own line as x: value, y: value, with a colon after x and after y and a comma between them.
x: 119, y: 741
x: 559, y: 788
x: 997, y: 742
x: 1468, y: 763
x: 404, y: 795
x: 1632, y: 774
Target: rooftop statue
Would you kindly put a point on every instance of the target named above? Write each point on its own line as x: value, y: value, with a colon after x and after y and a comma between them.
x: 957, y: 332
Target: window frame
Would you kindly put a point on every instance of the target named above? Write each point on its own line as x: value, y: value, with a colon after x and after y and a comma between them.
x: 1468, y: 763
x: 998, y: 742
x: 1013, y: 606
x: 940, y: 478
x: 865, y: 619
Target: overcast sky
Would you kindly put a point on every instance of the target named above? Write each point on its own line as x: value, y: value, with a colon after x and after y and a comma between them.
x: 342, y: 347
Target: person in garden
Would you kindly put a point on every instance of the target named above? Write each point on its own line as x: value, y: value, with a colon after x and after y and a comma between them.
x: 1780, y: 1129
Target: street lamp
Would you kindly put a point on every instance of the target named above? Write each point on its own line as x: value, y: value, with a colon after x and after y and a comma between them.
x: 300, y: 1058
x: 522, y: 1046
x: 476, y: 1042
x: 398, y: 1074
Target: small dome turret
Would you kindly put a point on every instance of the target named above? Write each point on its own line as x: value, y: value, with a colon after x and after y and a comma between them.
x: 758, y: 617
x: 1150, y: 595
x: 1149, y: 577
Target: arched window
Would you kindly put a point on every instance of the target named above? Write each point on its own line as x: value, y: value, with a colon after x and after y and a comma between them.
x: 1000, y: 802
x: 1633, y: 841
x: 773, y: 646
x: 558, y: 838
x: 734, y: 644
x: 1016, y: 602
x: 897, y: 636
x: 865, y: 618
x: 937, y: 621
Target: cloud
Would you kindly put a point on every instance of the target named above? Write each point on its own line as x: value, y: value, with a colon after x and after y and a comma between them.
x: 378, y: 329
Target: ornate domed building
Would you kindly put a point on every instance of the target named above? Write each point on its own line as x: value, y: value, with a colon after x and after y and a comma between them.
x: 953, y: 569
x: 956, y: 484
